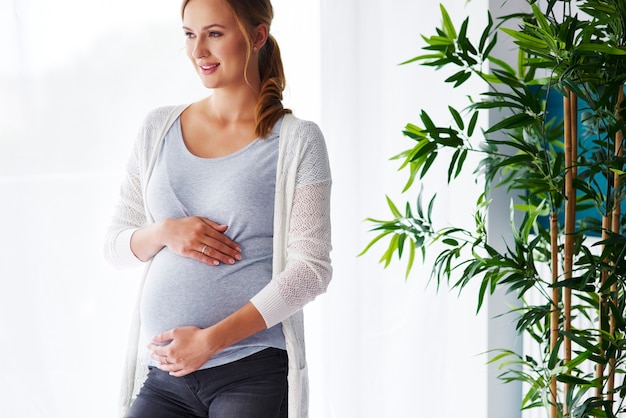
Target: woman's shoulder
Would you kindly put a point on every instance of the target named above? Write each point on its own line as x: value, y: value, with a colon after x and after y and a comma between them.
x: 304, y: 147
x: 157, y: 116
x: 301, y: 129
x: 156, y: 121
x: 155, y: 124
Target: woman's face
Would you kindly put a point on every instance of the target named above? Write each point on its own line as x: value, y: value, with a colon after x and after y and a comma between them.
x: 215, y: 44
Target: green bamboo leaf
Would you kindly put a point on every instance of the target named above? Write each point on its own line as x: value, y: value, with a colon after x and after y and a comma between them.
x: 511, y: 122
x: 554, y: 355
x: 526, y: 402
x: 429, y: 161
x: 490, y: 78
x: 502, y: 64
x: 440, y: 41
x: 596, y: 48
x: 408, y: 213
x: 429, y: 125
x: 460, y: 163
x: 431, y: 204
x: 573, y: 380
x: 401, y: 240
x: 457, y: 117
x: 415, y: 132
x: 461, y: 77
x: 422, y: 150
x: 466, y: 45
x: 450, y: 59
x: 412, y: 176
x: 525, y: 40
x: 393, y: 208
x: 455, y: 77
x: 485, y: 34
x: 411, y: 259
x: 472, y: 124
x: 423, y: 58
x: 582, y: 341
x: 541, y: 19
x: 388, y: 255
x: 521, y: 145
x: 492, y: 44
x: 452, y: 164
x: 481, y: 293
x: 418, y: 203
x: 530, y: 223
x: 499, y: 104
x: 448, y: 26
x: 577, y: 361
x: 374, y: 241
x: 599, y: 9
x: 504, y: 354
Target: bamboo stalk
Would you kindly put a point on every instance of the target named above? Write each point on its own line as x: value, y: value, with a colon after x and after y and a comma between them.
x: 554, y: 314
x: 606, y: 225
x: 615, y: 227
x: 570, y: 120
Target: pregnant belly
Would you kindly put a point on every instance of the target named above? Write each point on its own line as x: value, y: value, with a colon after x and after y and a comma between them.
x: 179, y: 291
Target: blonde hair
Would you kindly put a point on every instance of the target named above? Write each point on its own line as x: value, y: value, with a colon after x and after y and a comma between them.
x: 269, y: 108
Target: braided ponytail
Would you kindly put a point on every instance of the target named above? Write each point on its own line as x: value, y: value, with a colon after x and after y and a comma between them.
x: 269, y: 107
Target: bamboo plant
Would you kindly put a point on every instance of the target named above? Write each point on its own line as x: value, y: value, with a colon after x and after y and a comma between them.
x: 566, y: 186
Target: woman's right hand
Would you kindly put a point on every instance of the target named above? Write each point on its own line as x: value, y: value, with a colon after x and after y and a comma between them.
x: 193, y: 237
x: 201, y: 239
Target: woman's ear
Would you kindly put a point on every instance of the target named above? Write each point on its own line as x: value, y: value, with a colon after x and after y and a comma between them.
x: 261, y: 32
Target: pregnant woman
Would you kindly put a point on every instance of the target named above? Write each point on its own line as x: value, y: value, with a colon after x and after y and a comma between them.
x: 226, y: 202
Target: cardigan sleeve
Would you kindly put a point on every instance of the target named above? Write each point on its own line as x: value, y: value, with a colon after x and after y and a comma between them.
x: 130, y: 211
x: 308, y: 270
x: 128, y: 216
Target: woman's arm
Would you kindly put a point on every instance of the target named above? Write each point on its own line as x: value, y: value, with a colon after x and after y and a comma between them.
x: 305, y: 268
x: 308, y: 270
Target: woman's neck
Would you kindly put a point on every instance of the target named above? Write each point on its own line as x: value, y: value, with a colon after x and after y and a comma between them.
x: 232, y: 107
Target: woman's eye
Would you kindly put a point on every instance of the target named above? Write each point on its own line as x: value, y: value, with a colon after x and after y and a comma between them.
x: 214, y: 34
x: 188, y: 34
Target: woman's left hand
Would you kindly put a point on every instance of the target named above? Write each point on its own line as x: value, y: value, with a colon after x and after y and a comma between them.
x: 182, y: 350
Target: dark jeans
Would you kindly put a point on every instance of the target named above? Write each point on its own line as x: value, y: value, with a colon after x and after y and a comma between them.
x: 253, y: 387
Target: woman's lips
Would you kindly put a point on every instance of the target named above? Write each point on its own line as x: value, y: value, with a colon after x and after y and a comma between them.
x: 207, y: 68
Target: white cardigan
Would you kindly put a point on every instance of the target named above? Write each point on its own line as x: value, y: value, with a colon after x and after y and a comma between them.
x: 301, y: 261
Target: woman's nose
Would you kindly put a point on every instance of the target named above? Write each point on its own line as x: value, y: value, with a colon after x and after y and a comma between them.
x: 199, y: 49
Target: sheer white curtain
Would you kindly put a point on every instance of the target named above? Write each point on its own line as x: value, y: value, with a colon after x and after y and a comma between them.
x: 393, y: 348
x: 77, y: 77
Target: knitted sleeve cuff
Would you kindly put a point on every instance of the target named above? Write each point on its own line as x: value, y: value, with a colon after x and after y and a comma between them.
x: 272, y: 306
x: 120, y: 255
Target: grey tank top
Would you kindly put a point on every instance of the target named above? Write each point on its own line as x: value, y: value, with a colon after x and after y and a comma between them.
x: 236, y: 190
